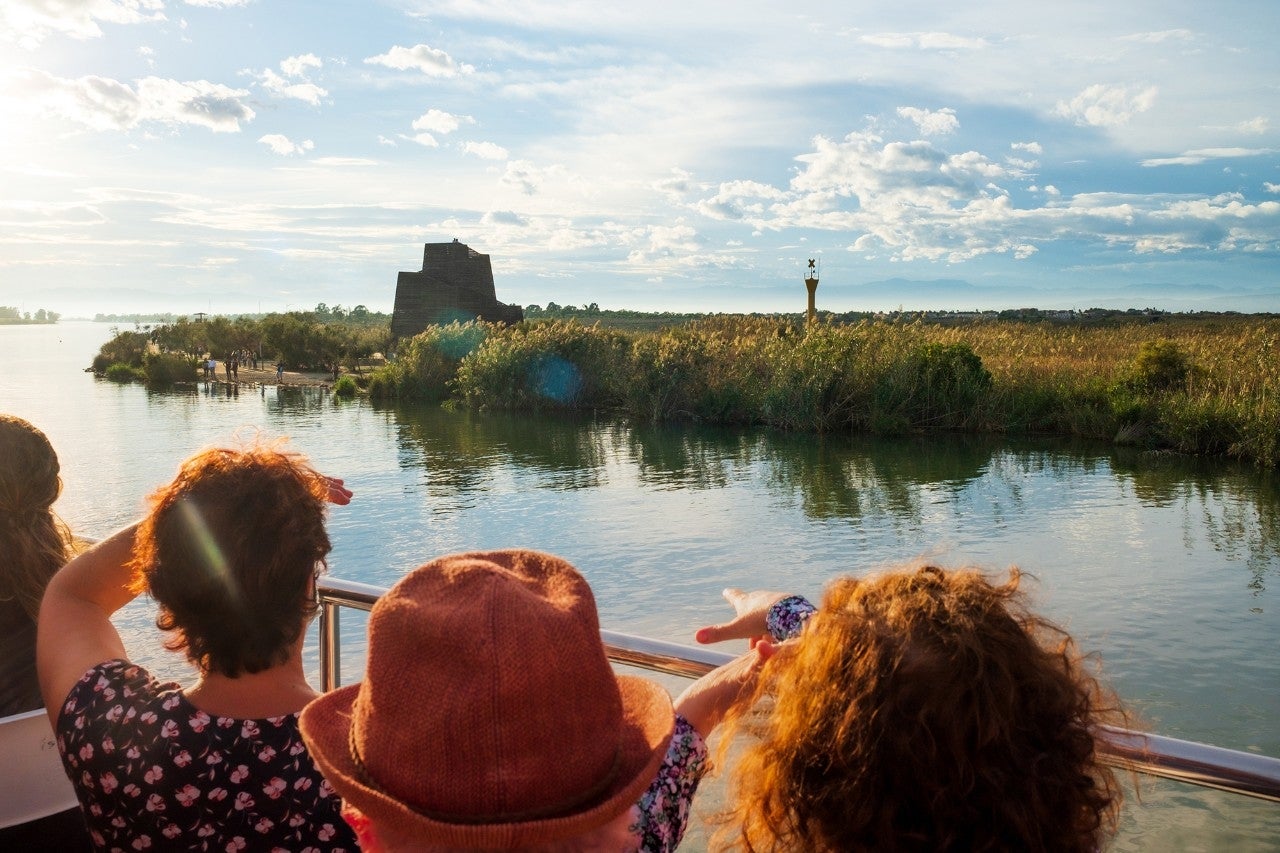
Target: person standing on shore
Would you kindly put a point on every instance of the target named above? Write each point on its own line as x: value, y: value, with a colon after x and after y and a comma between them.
x: 279, y: 371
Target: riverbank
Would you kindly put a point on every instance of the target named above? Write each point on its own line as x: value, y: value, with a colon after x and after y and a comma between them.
x: 1203, y: 387
x: 266, y: 375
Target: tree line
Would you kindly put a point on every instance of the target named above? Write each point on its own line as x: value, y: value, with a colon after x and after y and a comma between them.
x: 300, y: 340
x: 9, y: 314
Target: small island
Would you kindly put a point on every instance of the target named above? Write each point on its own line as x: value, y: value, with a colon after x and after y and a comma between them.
x: 12, y: 316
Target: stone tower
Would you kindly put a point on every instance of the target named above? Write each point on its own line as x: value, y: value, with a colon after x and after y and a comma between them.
x: 456, y: 283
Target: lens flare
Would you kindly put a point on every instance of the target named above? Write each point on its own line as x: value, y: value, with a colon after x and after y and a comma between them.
x: 215, y: 562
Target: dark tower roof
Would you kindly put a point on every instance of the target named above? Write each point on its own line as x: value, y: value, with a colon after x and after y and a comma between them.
x: 455, y: 283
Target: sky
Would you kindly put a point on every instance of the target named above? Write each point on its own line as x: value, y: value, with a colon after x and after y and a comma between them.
x: 263, y: 155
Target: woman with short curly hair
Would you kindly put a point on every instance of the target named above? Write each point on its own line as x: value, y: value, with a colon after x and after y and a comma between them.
x: 230, y: 551
x: 915, y: 710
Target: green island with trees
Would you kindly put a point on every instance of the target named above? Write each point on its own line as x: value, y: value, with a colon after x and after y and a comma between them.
x: 12, y: 316
x: 1202, y: 383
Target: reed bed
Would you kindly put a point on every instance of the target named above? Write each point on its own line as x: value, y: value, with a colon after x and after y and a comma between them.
x: 1210, y: 387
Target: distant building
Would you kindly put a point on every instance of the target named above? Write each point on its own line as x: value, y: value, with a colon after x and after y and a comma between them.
x: 456, y: 283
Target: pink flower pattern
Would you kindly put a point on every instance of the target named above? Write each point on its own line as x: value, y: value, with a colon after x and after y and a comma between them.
x: 154, y: 772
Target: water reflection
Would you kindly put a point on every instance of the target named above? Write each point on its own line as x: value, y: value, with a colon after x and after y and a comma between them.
x: 1234, y: 507
x: 680, y: 457
x: 465, y: 452
x: 899, y: 483
x: 842, y: 478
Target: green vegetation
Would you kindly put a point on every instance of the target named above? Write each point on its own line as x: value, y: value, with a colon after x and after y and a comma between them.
x: 1194, y: 385
x: 344, y: 387
x: 11, y: 316
x: 302, y: 340
x: 122, y: 373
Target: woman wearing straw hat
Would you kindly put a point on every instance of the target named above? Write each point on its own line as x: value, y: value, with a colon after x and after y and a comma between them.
x: 489, y: 717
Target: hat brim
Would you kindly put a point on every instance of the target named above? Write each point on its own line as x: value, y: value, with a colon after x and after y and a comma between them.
x: 648, y: 723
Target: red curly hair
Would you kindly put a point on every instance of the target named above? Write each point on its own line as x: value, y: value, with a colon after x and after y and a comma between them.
x: 924, y: 710
x: 227, y: 551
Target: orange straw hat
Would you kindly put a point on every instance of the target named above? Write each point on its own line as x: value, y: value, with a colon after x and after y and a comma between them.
x: 489, y: 716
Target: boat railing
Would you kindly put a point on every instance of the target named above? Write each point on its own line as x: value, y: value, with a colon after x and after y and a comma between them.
x: 1195, y: 763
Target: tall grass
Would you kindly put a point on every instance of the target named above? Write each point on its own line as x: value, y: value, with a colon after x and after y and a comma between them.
x: 1196, y: 387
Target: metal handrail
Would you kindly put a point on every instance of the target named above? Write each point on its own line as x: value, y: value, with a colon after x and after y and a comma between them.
x: 1155, y: 755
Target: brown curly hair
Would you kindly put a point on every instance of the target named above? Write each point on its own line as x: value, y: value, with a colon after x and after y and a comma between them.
x: 34, y: 541
x: 227, y: 551
x: 924, y: 710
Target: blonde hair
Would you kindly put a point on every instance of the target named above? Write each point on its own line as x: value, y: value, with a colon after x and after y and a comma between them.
x: 923, y: 710
x: 34, y: 541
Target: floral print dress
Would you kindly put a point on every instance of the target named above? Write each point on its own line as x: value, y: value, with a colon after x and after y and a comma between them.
x: 664, y: 807
x: 154, y: 772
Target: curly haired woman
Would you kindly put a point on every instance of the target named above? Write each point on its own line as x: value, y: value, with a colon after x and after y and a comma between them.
x: 917, y: 710
x: 230, y: 551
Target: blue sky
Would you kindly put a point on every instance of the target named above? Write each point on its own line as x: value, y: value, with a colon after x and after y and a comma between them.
x: 245, y: 155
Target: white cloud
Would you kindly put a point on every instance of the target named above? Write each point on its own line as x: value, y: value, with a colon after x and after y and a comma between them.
x: 29, y: 22
x: 667, y: 242
x: 1106, y: 106
x: 1201, y: 155
x: 296, y: 66
x: 343, y: 162
x: 1256, y: 125
x: 675, y: 185
x: 931, y: 122
x: 524, y: 176
x: 923, y: 41
x: 303, y: 91
x: 1160, y: 36
x: 1029, y: 147
x: 503, y: 217
x: 441, y: 122
x: 101, y: 103
x: 421, y: 57
x: 1270, y: 187
x: 294, y: 83
x: 485, y: 150
x: 218, y: 4
x: 282, y: 145
x: 740, y: 200
x: 385, y: 140
x: 426, y: 140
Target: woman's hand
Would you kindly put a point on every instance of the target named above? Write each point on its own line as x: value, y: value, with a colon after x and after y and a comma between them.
x: 751, y: 609
x: 705, y: 702
x: 338, y: 493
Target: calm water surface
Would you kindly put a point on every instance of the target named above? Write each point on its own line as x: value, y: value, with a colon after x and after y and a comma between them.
x: 1167, y: 567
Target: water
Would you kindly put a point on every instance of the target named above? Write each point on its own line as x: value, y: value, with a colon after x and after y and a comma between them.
x: 1168, y: 567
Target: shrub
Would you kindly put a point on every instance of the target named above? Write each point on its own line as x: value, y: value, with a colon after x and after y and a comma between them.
x: 937, y: 385
x: 383, y: 383
x: 344, y: 387
x: 1160, y: 366
x: 162, y: 369
x: 428, y: 362
x: 121, y: 373
x: 558, y: 364
x: 125, y: 348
